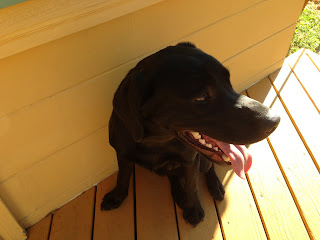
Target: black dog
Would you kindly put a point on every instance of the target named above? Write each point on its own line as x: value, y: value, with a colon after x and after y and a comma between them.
x: 176, y: 113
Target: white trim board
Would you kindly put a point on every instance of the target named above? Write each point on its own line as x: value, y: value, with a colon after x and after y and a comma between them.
x: 10, y: 229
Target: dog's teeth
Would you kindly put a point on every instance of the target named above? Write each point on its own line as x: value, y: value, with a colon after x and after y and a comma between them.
x: 202, y: 141
x: 209, y: 145
x: 196, y: 135
x: 225, y: 158
x: 216, y: 149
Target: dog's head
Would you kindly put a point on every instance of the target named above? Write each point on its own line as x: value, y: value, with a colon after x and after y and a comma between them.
x: 183, y: 92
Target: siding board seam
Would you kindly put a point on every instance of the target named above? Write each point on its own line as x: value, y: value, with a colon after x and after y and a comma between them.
x: 56, y: 94
x: 55, y: 21
x: 63, y: 23
x: 218, y: 21
x: 24, y: 219
x: 87, y: 135
x: 145, y: 55
x: 50, y: 155
x: 291, y: 25
x: 138, y: 58
x: 99, y: 128
x: 275, y: 63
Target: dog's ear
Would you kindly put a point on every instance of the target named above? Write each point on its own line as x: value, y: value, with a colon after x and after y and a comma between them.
x: 127, y: 102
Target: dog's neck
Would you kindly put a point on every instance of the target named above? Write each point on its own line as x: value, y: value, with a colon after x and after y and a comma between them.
x: 154, y: 135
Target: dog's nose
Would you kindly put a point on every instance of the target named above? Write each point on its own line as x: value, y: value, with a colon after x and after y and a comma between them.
x: 274, y: 120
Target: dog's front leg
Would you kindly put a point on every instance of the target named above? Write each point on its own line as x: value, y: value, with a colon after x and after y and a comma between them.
x: 215, y: 186
x: 114, y: 198
x: 192, y: 212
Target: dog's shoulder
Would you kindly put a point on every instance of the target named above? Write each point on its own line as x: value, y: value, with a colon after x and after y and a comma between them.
x: 119, y: 137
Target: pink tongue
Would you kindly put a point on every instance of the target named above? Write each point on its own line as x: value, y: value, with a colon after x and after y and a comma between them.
x: 239, y: 155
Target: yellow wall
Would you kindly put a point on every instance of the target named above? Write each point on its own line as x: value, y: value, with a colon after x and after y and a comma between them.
x: 55, y: 99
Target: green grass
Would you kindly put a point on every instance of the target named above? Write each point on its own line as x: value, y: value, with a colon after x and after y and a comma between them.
x: 307, y: 33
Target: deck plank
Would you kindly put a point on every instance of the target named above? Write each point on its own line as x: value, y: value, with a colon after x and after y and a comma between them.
x: 296, y: 163
x: 154, y: 207
x: 41, y: 230
x: 238, y: 213
x: 284, y: 180
x: 300, y: 108
x: 280, y: 214
x: 314, y: 58
x: 74, y: 220
x: 117, y: 223
x: 210, y: 227
x: 308, y: 75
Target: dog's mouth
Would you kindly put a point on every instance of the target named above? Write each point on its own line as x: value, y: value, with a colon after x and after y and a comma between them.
x: 220, y: 152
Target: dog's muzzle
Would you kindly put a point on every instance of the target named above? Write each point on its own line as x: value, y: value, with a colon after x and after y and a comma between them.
x: 219, y: 152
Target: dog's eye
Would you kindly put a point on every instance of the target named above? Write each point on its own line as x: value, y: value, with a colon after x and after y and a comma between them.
x: 203, y: 98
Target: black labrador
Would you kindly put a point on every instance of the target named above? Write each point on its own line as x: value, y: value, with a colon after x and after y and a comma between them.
x: 176, y: 113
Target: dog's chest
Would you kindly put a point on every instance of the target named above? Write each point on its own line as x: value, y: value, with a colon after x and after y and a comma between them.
x: 163, y: 158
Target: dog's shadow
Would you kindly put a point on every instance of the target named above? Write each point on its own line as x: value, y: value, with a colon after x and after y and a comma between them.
x: 210, y: 227
x: 153, y: 195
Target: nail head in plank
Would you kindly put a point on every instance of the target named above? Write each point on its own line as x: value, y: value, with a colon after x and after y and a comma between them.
x: 74, y: 220
x: 154, y: 207
x: 41, y: 230
x: 117, y: 223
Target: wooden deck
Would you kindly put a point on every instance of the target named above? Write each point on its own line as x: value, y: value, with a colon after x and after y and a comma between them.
x: 279, y: 200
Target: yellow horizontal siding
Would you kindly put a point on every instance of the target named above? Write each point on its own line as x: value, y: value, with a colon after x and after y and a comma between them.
x: 254, y: 60
x: 40, y: 130
x: 27, y: 138
x: 10, y: 229
x: 33, y: 193
x: 38, y: 22
x: 56, y: 100
x: 44, y: 180
x: 79, y: 57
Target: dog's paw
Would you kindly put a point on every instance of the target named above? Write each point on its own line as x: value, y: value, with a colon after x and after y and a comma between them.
x: 215, y: 188
x: 112, y: 200
x: 193, y: 215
